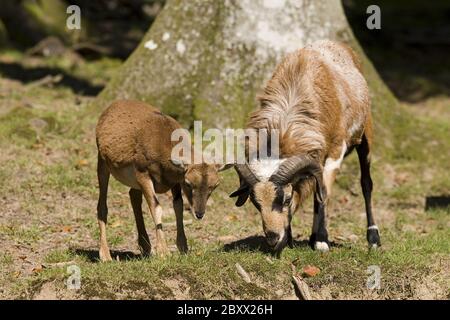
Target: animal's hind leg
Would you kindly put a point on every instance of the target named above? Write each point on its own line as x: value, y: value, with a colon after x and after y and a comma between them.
x: 363, y: 151
x: 136, y: 203
x: 148, y: 190
x: 102, y: 207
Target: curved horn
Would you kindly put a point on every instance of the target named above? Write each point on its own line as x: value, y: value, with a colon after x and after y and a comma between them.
x: 247, y: 174
x: 293, y: 167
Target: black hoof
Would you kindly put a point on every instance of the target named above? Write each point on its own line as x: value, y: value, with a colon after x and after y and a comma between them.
x: 373, y: 236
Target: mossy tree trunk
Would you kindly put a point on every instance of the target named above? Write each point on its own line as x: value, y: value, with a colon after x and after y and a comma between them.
x: 207, y: 59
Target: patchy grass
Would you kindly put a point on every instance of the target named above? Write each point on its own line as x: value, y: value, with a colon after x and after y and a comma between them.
x: 49, y: 197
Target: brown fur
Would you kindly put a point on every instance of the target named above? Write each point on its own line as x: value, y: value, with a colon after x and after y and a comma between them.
x: 134, y: 145
x: 313, y: 105
x: 318, y: 100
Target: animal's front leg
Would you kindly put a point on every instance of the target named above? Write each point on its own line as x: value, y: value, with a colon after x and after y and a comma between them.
x: 143, y: 240
x: 178, y: 208
x: 293, y: 208
x: 148, y: 190
x: 319, y: 237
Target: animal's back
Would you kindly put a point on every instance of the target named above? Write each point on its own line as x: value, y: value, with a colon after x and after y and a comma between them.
x: 127, y: 127
x: 351, y: 87
x: 317, y: 98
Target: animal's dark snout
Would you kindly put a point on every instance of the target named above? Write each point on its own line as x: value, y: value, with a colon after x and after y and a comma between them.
x: 199, y: 214
x: 272, y: 238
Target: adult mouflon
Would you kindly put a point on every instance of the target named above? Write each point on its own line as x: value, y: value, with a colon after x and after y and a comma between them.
x: 318, y: 100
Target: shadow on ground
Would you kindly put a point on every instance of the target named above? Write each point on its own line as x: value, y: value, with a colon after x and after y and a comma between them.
x: 437, y: 202
x: 92, y: 255
x: 26, y: 75
x: 258, y: 243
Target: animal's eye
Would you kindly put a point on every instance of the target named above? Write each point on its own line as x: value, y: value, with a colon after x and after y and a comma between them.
x: 287, y: 200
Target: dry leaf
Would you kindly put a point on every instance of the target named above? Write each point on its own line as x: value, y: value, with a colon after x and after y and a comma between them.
x: 66, y: 229
x: 82, y: 163
x: 37, y: 268
x: 232, y: 217
x: 311, y: 271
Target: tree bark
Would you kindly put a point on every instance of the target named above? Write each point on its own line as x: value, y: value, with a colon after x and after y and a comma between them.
x: 207, y: 59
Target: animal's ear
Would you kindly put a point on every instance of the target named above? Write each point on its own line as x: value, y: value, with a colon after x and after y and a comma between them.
x: 242, y: 193
x: 226, y: 166
x: 242, y: 189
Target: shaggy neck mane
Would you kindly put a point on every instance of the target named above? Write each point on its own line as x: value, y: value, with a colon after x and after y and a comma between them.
x: 288, y: 104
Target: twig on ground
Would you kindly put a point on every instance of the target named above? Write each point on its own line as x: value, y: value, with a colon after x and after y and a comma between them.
x: 47, y: 80
x: 243, y: 273
x: 300, y: 287
x: 58, y: 264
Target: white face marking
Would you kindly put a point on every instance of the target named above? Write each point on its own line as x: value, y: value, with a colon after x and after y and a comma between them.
x: 333, y: 164
x: 264, y: 168
x: 321, y: 246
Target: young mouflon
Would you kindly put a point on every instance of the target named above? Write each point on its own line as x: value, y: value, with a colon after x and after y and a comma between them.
x: 134, y: 145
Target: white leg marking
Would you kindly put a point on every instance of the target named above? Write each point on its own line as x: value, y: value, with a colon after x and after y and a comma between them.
x: 321, y: 246
x: 374, y: 227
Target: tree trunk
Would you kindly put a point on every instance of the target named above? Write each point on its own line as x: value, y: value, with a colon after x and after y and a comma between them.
x: 208, y: 59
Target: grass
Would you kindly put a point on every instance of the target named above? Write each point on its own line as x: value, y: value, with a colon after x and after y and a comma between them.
x: 209, y: 272
x: 49, y: 199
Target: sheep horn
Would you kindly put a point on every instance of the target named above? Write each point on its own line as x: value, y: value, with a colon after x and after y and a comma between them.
x: 247, y: 174
x: 292, y: 168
